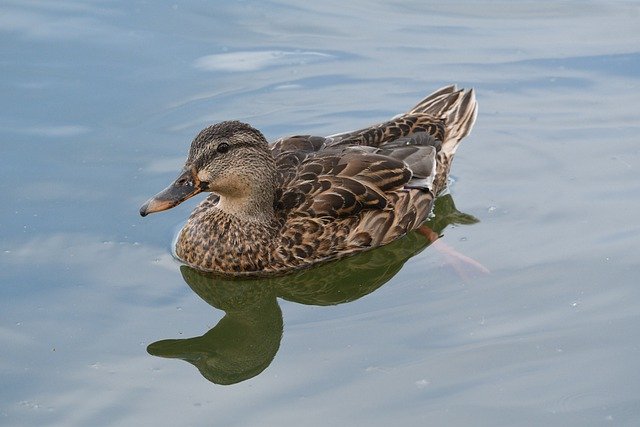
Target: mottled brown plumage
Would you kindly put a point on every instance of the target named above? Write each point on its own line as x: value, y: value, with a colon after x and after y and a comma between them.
x: 307, y: 199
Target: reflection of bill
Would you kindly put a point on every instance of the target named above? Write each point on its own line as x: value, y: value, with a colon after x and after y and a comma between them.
x: 246, y: 339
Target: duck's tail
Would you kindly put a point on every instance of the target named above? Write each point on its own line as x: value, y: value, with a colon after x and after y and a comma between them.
x: 457, y: 109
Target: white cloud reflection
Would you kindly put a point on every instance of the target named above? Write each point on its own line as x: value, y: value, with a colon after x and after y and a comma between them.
x: 48, y: 131
x: 252, y: 61
x: 46, y: 25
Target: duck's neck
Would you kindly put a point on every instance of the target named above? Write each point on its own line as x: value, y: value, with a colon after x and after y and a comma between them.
x: 249, y: 195
x: 254, y: 207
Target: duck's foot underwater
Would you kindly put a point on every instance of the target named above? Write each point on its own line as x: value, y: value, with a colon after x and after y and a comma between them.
x: 466, y: 267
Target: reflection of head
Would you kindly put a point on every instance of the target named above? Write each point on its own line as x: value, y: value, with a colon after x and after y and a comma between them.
x: 241, y: 345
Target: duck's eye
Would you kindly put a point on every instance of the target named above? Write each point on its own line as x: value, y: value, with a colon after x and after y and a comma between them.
x: 223, y: 147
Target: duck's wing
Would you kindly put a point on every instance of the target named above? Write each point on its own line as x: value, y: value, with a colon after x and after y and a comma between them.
x: 413, y: 150
x: 431, y: 130
x: 343, y: 181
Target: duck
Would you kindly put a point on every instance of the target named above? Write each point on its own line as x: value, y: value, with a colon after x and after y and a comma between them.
x: 304, y: 200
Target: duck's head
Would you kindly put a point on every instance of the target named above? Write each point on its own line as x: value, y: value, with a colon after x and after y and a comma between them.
x: 230, y: 159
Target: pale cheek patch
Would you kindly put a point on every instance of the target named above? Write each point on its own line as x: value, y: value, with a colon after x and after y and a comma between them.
x: 228, y: 184
x: 203, y: 176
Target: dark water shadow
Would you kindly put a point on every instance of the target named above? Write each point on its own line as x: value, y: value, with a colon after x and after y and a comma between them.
x: 247, y: 338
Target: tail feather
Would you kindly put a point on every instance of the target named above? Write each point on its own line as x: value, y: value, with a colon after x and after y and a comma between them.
x: 438, y: 102
x: 457, y: 108
x: 459, y: 120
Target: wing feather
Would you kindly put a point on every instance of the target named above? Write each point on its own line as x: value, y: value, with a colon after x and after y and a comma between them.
x: 341, y: 182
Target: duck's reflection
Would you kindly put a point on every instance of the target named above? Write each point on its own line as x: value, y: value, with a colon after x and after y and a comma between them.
x: 246, y: 339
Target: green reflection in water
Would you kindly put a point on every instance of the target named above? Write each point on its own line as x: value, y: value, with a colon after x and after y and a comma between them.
x: 247, y: 338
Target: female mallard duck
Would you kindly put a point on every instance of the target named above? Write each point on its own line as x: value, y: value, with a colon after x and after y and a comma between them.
x: 308, y: 199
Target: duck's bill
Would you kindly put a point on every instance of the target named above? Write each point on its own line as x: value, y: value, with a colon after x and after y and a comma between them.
x: 184, y: 187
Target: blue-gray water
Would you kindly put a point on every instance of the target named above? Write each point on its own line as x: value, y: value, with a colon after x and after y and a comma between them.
x: 100, y: 100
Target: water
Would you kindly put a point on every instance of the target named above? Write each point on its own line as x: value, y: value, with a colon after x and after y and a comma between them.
x: 99, y: 103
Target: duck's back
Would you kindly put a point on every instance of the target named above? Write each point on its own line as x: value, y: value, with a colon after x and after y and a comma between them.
x: 440, y: 120
x: 358, y: 190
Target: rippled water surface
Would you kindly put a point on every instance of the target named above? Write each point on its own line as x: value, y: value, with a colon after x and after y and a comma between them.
x: 101, y: 326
